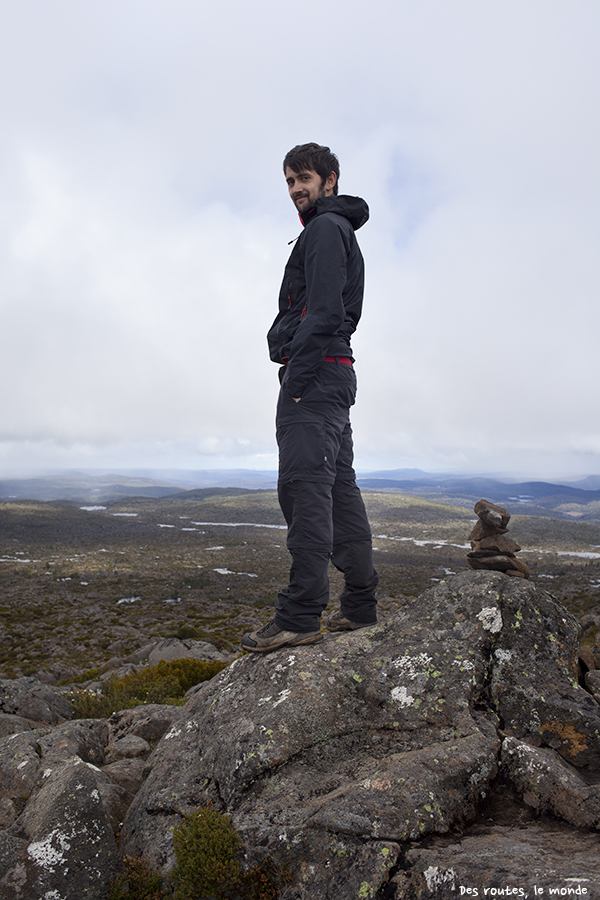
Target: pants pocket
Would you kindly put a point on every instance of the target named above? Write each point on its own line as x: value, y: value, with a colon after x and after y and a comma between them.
x: 302, y: 451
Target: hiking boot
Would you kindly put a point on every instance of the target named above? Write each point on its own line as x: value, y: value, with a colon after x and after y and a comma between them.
x: 337, y: 621
x: 271, y: 636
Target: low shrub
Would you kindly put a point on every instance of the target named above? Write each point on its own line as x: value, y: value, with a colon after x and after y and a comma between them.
x: 166, y: 682
x: 190, y: 671
x: 187, y: 631
x: 87, y: 675
x: 139, y: 882
x: 208, y: 851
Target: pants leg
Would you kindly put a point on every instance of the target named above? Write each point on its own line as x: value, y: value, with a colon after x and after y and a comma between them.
x: 322, y: 504
x: 352, y: 545
x: 357, y: 600
x: 306, y: 506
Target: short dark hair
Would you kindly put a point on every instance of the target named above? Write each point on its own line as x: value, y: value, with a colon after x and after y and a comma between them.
x: 313, y: 156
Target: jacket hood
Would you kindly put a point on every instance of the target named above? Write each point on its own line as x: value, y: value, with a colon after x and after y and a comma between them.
x: 352, y: 208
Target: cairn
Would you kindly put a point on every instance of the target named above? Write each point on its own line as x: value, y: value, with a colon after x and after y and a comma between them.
x: 490, y: 548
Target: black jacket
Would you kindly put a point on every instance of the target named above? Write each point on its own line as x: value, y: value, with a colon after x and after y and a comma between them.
x: 321, y: 296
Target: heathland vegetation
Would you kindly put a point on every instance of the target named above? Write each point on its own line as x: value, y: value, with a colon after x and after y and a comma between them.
x: 80, y: 586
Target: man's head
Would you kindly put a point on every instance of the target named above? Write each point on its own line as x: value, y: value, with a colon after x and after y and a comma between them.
x: 311, y: 171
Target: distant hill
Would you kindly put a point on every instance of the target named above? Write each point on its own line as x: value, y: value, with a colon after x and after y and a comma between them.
x: 85, y: 488
x: 579, y: 500
x: 102, y: 487
x: 534, y: 498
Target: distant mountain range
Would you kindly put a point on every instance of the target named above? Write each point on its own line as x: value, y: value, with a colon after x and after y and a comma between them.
x: 579, y: 500
x: 100, y: 487
x: 534, y: 498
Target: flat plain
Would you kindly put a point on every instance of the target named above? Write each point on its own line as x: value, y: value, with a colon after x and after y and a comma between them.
x: 81, y: 585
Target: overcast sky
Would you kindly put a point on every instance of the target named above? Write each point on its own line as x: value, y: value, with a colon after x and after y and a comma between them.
x: 144, y: 226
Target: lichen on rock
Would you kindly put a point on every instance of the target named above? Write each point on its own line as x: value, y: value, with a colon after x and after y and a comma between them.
x: 396, y: 736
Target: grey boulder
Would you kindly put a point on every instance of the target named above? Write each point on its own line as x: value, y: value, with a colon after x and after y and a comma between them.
x: 148, y: 722
x: 12, y: 724
x: 538, y: 862
x: 335, y: 758
x: 63, y: 845
x: 174, y: 648
x: 29, y: 698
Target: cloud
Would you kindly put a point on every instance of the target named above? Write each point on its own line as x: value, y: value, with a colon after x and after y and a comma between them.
x: 146, y: 222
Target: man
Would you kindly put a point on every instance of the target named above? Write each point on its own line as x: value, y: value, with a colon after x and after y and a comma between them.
x: 320, y: 303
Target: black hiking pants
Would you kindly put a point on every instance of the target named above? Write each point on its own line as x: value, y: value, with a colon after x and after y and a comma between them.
x: 322, y: 503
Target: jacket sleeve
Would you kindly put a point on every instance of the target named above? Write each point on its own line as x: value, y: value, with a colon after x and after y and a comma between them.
x: 325, y: 269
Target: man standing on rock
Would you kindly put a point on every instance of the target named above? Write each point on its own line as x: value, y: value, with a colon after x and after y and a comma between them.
x: 320, y: 304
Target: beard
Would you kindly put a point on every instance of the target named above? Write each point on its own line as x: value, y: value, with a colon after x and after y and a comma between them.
x: 306, y: 200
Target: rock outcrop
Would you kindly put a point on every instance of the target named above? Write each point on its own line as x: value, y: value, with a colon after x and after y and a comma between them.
x: 29, y: 698
x: 360, y: 761
x: 539, y: 861
x: 445, y: 751
x: 490, y: 548
x: 64, y: 792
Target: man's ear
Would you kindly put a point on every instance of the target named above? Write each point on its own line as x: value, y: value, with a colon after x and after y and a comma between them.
x: 330, y: 184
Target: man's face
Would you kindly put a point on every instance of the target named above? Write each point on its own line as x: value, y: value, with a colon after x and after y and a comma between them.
x: 306, y: 187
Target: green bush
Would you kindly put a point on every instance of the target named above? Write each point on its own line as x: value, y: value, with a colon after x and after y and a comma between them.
x: 187, y: 631
x: 166, y: 682
x: 190, y: 671
x: 88, y: 675
x: 139, y: 882
x: 208, y: 851
x: 190, y: 631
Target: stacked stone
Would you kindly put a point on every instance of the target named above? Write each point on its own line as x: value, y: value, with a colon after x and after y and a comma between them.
x: 490, y: 548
